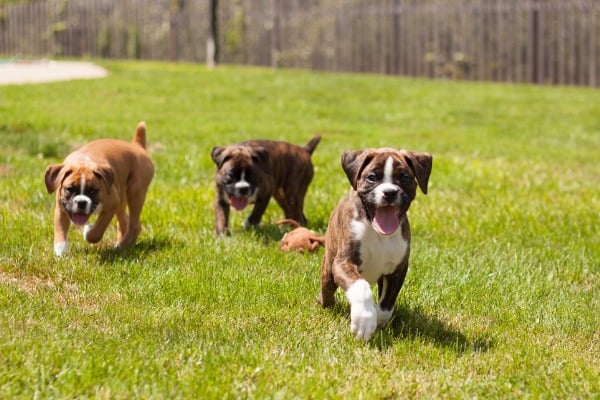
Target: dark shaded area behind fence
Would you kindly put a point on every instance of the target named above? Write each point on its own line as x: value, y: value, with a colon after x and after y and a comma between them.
x: 537, y: 41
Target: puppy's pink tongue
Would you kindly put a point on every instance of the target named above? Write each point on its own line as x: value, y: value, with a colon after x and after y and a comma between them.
x: 386, y: 220
x: 80, y: 218
x: 239, y: 203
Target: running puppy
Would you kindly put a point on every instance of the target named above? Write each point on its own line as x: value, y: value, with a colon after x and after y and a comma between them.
x: 105, y: 176
x: 253, y: 171
x: 368, y: 237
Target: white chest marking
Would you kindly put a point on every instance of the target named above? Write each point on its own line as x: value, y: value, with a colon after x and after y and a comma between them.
x: 380, y: 254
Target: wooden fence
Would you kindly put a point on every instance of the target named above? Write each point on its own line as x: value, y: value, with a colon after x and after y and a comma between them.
x: 537, y: 41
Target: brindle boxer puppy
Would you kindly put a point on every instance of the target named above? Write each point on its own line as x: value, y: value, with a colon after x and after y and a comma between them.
x: 253, y: 171
x: 368, y: 236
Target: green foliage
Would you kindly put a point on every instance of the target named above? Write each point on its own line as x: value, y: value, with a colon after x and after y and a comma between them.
x: 103, y: 41
x: 501, y: 299
x: 133, y: 42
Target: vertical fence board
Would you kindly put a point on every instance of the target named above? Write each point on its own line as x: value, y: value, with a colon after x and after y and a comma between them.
x: 594, y: 65
x: 537, y: 41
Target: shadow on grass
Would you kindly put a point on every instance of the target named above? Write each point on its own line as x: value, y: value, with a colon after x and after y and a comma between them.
x: 140, y: 250
x: 416, y: 325
x: 273, y: 232
x: 268, y: 233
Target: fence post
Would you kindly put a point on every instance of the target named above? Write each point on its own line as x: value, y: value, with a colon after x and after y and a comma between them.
x: 212, y: 46
x: 534, y: 43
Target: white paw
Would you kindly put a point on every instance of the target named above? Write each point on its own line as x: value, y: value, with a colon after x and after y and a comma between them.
x: 61, y: 248
x: 246, y: 224
x: 363, y: 316
x: 363, y: 321
x: 86, y: 230
x: 383, y: 317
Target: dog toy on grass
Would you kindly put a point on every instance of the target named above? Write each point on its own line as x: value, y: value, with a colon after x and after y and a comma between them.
x: 300, y: 238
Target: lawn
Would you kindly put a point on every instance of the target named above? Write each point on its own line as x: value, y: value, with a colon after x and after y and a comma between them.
x: 502, y: 297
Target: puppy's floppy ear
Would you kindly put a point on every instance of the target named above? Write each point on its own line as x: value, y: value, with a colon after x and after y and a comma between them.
x: 217, y: 155
x: 260, y: 155
x: 53, y: 177
x: 421, y: 164
x: 106, y: 174
x: 353, y: 162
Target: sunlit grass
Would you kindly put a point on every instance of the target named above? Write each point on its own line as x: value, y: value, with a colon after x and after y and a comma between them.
x: 501, y: 298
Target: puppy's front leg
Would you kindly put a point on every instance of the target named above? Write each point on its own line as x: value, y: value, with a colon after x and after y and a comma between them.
x: 257, y: 212
x: 93, y: 233
x: 389, y: 287
x: 221, y: 217
x: 62, y: 223
x: 363, y: 315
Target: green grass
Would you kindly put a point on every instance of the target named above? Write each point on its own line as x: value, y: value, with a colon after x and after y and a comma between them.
x: 502, y: 298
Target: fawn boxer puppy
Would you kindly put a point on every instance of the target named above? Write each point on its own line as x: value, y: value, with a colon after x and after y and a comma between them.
x: 368, y: 237
x: 253, y: 171
x: 105, y: 176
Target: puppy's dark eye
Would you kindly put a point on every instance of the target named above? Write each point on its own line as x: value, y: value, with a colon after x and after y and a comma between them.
x: 71, y: 190
x: 227, y: 178
x: 92, y: 191
x: 372, y: 177
x: 406, y: 178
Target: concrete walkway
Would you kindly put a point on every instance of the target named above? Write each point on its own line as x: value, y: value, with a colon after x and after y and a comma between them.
x: 19, y: 72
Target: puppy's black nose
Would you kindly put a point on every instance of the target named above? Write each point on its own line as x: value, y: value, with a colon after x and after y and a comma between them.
x: 81, y: 203
x: 390, y: 194
x: 244, y: 191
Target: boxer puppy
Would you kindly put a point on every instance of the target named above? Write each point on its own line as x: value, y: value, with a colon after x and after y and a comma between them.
x: 251, y: 172
x: 105, y: 177
x: 368, y: 236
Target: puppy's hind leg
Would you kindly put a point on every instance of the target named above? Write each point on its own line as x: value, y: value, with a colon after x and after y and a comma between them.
x: 328, y: 285
x: 328, y: 288
x: 134, y: 226
x: 292, y: 207
x: 122, y: 222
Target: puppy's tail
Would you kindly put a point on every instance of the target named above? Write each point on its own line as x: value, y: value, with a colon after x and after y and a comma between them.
x: 140, y: 134
x: 312, y: 144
